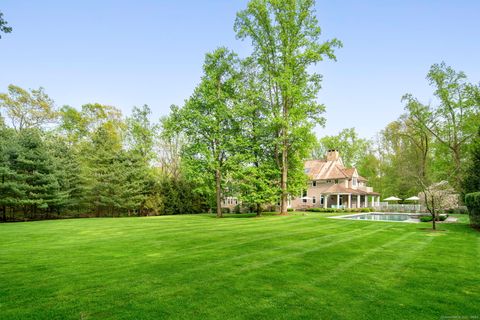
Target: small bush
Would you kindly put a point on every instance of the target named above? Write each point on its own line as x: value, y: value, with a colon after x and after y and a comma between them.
x: 458, y: 210
x: 237, y: 209
x: 290, y: 209
x: 472, y: 200
x: 429, y: 218
x: 425, y: 218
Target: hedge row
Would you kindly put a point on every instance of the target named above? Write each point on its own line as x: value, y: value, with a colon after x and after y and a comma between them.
x: 430, y: 218
x: 333, y: 210
x: 472, y: 200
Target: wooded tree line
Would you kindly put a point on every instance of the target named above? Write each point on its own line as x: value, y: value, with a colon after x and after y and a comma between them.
x: 244, y: 131
x: 91, y: 161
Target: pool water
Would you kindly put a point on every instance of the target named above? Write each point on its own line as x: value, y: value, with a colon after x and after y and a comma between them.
x: 379, y: 217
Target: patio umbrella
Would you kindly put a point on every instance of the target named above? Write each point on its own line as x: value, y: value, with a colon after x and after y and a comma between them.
x: 392, y: 198
x: 414, y: 198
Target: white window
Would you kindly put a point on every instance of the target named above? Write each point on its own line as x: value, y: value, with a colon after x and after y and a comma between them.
x: 304, y: 195
x: 354, y: 182
x: 314, y: 200
x: 314, y: 183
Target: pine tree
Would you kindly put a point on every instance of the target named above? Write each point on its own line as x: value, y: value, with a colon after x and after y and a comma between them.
x: 34, y: 166
x: 10, y: 186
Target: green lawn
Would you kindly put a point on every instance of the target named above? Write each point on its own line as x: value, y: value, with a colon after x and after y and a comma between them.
x: 198, y: 266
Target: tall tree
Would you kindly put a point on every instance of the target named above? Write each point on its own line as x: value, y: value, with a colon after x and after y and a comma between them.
x: 351, y: 146
x: 207, y: 119
x: 11, y: 191
x: 257, y: 174
x: 141, y: 133
x: 27, y: 109
x: 286, y: 41
x: 35, y: 167
x: 453, y: 121
x: 4, y: 25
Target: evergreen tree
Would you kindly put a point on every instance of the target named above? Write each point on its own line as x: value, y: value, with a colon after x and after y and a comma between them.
x: 34, y: 167
x: 11, y: 191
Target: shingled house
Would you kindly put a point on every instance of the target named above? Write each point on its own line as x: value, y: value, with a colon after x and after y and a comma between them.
x: 332, y: 185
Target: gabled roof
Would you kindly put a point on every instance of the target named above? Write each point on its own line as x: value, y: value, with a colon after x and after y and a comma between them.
x: 326, y: 170
x: 321, y: 169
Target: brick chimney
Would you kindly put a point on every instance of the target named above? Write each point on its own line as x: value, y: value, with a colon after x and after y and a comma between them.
x: 332, y: 155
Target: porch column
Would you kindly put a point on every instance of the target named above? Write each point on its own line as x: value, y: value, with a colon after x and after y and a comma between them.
x: 349, y: 201
x: 325, y: 200
x: 366, y: 201
x: 338, y: 200
x: 358, y: 201
x: 378, y: 201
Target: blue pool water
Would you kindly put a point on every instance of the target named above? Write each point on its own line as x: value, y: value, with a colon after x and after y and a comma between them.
x: 379, y: 217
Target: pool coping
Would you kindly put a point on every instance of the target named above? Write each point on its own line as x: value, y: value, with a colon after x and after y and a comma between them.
x: 347, y: 217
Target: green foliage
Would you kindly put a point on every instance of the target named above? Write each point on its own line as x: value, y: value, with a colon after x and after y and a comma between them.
x: 426, y: 218
x: 285, y: 36
x: 34, y: 168
x: 471, y: 180
x: 207, y: 120
x: 430, y: 218
x: 352, y: 148
x: 4, y: 25
x: 27, y: 109
x: 452, y: 123
x: 472, y: 200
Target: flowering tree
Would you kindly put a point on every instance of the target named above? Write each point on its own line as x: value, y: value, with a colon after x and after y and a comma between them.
x: 438, y: 197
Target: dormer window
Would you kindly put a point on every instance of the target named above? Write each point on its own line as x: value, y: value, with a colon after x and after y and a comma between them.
x: 354, y: 182
x: 336, y: 181
x: 314, y: 183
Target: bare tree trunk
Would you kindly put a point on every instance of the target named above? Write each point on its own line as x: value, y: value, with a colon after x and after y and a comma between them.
x: 434, y: 227
x: 283, y: 181
x: 218, y: 191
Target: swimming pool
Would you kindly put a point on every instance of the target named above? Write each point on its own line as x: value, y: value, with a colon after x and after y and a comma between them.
x: 380, y: 216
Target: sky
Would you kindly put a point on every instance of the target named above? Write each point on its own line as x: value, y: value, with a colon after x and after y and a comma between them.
x: 130, y: 53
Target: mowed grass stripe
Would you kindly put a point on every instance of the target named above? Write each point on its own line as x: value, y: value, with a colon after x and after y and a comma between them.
x: 295, y: 267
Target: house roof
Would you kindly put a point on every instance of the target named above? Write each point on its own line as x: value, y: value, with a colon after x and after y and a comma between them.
x: 332, y: 169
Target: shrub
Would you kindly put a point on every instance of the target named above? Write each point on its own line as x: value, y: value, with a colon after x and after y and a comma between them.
x: 459, y: 210
x: 237, y: 209
x: 290, y: 209
x: 426, y: 218
x: 472, y: 200
x: 429, y: 218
